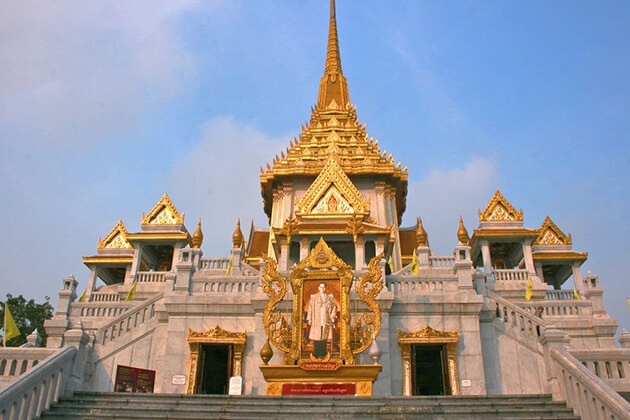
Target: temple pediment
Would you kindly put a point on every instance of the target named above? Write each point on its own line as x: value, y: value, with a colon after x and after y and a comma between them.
x: 163, y: 213
x: 332, y: 193
x: 550, y: 234
x: 500, y: 210
x: 116, y: 239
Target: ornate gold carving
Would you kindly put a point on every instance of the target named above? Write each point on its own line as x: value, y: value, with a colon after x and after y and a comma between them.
x: 426, y: 333
x: 550, y: 234
x: 355, y: 227
x: 500, y: 210
x: 289, y: 228
x: 462, y: 233
x: 274, y: 286
x: 332, y: 192
x: 197, y: 238
x: 215, y: 335
x: 423, y: 238
x: 322, y: 264
x: 370, y: 285
x: 163, y: 213
x: 116, y: 239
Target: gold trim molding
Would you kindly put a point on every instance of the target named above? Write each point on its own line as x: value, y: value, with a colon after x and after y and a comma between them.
x: 500, y: 210
x: 428, y: 335
x: 550, y: 234
x: 216, y: 335
x: 163, y: 213
x: 116, y: 239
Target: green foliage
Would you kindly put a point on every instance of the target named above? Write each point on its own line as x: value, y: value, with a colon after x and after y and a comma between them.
x: 28, y: 316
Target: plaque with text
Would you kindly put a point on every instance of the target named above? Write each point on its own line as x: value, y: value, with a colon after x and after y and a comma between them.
x: 319, y: 389
x: 130, y: 379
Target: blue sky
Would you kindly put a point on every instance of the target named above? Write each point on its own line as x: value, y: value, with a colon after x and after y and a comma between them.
x: 105, y: 106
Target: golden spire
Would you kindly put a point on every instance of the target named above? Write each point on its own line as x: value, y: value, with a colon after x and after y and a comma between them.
x: 462, y: 233
x: 237, y: 236
x: 197, y: 238
x: 333, y: 87
x: 423, y: 238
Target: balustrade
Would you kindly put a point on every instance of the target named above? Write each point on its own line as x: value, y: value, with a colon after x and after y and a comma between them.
x: 128, y: 320
x: 150, y: 276
x: 559, y: 308
x: 104, y: 297
x: 214, y: 263
x: 560, y: 295
x: 518, y: 320
x: 401, y: 285
x: 442, y: 261
x: 511, y: 275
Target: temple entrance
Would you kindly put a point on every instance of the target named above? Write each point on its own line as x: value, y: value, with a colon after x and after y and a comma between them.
x: 215, y: 368
x: 430, y: 369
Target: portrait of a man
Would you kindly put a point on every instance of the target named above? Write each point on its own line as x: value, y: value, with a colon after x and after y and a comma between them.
x: 320, y: 317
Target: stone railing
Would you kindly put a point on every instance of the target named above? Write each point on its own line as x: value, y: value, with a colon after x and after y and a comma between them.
x: 228, y: 285
x: 559, y: 295
x: 14, y: 361
x: 441, y: 261
x: 98, y: 309
x: 248, y: 270
x: 559, y: 307
x: 588, y: 395
x: 214, y: 263
x: 518, y: 320
x: 128, y: 320
x: 405, y: 285
x: 38, y: 388
x: 104, y: 297
x: 510, y: 275
x: 150, y: 276
x: 610, y: 365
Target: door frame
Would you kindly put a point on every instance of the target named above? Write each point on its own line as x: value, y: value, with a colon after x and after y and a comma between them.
x: 428, y: 335
x: 216, y: 335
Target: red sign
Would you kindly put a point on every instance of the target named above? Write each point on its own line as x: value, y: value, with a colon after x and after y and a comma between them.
x: 130, y: 379
x: 318, y: 389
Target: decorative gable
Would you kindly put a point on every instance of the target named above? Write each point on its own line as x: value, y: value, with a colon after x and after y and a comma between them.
x: 116, y: 239
x: 500, y: 210
x: 163, y: 213
x: 332, y: 193
x: 550, y: 234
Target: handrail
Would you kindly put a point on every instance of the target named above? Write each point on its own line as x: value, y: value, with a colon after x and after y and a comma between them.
x: 127, y: 316
x: 14, y: 361
x: 518, y: 319
x: 38, y: 388
x: 584, y: 392
x: 511, y: 274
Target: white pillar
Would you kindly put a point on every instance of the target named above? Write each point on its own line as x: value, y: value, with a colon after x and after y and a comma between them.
x: 485, y: 255
x: 359, y: 253
x: 577, y: 277
x: 527, y: 255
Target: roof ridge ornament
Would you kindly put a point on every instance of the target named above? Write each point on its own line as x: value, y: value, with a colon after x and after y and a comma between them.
x: 163, y: 213
x: 550, y: 234
x: 116, y: 238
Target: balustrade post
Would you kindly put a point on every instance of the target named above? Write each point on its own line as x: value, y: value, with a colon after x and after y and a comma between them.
x: 550, y: 339
x: 59, y: 324
x: 624, y: 339
x: 78, y: 339
x: 463, y: 267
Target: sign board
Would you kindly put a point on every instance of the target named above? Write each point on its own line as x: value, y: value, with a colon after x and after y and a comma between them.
x: 130, y: 379
x: 466, y: 382
x: 319, y: 389
x: 179, y: 379
x: 236, y: 385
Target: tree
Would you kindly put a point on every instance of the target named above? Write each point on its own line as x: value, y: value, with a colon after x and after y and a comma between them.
x: 28, y: 316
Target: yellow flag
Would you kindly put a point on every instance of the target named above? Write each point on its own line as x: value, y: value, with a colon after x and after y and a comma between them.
x: 576, y: 295
x: 529, y: 292
x: 10, y: 327
x: 131, y: 291
x: 229, y: 267
x: 628, y: 300
x: 391, y: 265
x: 414, y: 263
x: 82, y: 298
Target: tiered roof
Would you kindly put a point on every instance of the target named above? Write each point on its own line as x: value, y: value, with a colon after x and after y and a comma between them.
x: 333, y: 128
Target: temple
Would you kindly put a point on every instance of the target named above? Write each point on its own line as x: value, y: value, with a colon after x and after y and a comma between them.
x: 334, y: 296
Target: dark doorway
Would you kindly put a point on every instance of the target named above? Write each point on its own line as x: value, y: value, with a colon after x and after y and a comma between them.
x: 215, y: 368
x: 430, y: 370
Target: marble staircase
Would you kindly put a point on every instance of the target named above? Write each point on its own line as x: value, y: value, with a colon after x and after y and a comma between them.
x: 101, y: 406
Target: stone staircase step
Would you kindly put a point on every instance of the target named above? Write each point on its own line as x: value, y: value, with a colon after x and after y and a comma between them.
x: 97, y: 406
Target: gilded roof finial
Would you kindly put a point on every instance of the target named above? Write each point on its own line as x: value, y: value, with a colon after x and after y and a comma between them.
x: 237, y: 236
x: 423, y: 238
x: 197, y: 238
x: 462, y: 233
x: 333, y: 86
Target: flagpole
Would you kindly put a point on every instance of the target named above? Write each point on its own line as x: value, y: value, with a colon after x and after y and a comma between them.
x: 4, y: 336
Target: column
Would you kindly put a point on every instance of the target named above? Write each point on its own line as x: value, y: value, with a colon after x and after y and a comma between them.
x: 303, y: 247
x: 577, y: 277
x: 485, y: 255
x: 91, y: 282
x: 359, y: 253
x: 527, y: 255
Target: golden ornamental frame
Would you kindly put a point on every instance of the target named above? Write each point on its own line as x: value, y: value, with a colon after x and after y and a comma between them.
x: 321, y: 264
x: 428, y: 335
x: 216, y: 335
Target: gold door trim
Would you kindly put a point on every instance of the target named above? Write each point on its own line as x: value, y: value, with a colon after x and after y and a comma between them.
x: 216, y: 335
x: 428, y: 335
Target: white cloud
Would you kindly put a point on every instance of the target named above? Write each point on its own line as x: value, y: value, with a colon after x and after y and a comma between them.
x: 442, y: 196
x: 71, y: 71
x: 220, y: 180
